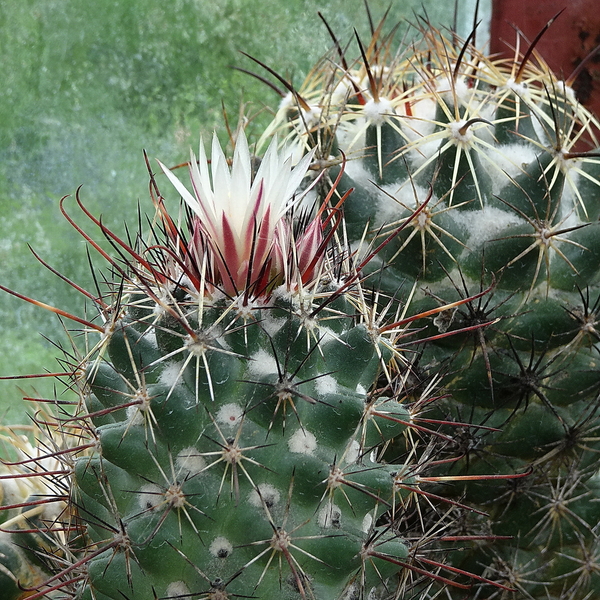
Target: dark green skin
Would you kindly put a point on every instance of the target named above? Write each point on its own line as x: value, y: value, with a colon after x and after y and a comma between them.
x: 154, y: 540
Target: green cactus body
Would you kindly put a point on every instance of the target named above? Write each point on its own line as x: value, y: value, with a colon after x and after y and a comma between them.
x: 489, y: 154
x: 242, y: 467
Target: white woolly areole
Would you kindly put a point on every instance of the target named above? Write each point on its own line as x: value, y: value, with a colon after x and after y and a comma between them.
x: 326, y: 384
x: 464, y: 137
x: 357, y: 171
x: 150, y: 496
x: 302, y: 442
x: 177, y: 589
x: 378, y: 72
x: 351, y: 135
x: 570, y: 204
x: 448, y: 86
x: 387, y: 210
x: 220, y: 547
x: 264, y: 492
x: 327, y: 334
x: 134, y: 416
x: 262, y: 363
x: 352, y: 453
x: 509, y: 159
x: 567, y: 91
x: 360, y: 389
x: 352, y: 592
x: 462, y: 89
x: 420, y: 131
x: 342, y: 91
x: 400, y: 202
x: 311, y: 117
x: 330, y: 516
x: 230, y: 414
x: 150, y: 336
x: 487, y: 224
x: 376, y: 111
x: 246, y: 308
x: 373, y: 594
x: 520, y: 89
x: 189, y: 461
x: 423, y: 121
x: 170, y: 375
x: 286, y: 101
x: 367, y: 523
x: 270, y: 324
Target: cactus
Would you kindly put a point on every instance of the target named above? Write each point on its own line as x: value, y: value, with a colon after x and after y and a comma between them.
x: 32, y: 502
x: 237, y: 413
x: 502, y: 163
x: 361, y: 364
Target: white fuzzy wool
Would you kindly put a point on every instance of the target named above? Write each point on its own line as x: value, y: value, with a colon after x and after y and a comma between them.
x: 220, y: 547
x: 329, y: 516
x: 262, y: 363
x: 302, y: 442
x: 351, y: 137
x: 150, y: 337
x: 150, y: 496
x: 453, y: 88
x: 177, y: 589
x: 367, y: 523
x: 396, y: 202
x: 352, y: 454
x: 135, y: 415
x: 487, y: 224
x: 266, y: 493
x: 508, y: 159
x: 230, y: 415
x: 326, y: 384
x: 357, y: 171
x: 170, y: 375
x: 520, y: 89
x: 269, y: 323
x: 376, y: 111
x: 189, y: 462
x: 326, y: 334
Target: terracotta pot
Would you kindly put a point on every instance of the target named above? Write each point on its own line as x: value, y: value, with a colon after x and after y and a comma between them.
x: 570, y: 39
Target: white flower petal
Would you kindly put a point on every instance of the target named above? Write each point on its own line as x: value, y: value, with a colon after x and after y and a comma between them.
x: 298, y: 174
x: 202, y: 188
x: 241, y: 169
x: 221, y: 179
x: 224, y: 195
x: 183, y: 192
x: 203, y: 167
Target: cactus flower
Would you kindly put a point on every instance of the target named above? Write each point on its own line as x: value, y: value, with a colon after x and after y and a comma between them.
x: 242, y: 222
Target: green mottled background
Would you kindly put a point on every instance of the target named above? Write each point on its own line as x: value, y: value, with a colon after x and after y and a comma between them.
x: 87, y: 85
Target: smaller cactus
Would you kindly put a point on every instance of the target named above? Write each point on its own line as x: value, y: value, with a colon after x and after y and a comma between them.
x: 32, y: 501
